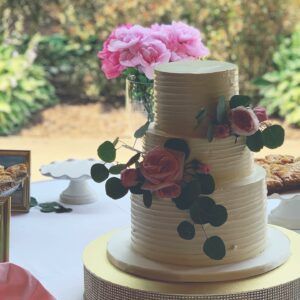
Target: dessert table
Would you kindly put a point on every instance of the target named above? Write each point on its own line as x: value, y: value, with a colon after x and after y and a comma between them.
x: 50, y: 245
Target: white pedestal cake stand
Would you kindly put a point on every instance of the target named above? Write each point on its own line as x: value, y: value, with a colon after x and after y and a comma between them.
x: 286, y: 214
x: 78, y: 172
x: 104, y: 281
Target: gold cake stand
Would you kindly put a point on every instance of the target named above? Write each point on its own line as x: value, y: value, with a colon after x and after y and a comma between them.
x: 103, y: 281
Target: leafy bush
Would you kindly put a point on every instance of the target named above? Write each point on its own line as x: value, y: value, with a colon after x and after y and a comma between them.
x: 24, y: 88
x: 280, y: 88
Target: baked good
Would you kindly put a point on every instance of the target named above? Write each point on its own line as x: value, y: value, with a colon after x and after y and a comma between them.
x: 18, y: 171
x: 181, y: 89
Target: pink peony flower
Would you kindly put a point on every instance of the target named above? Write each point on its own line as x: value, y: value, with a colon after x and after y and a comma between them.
x: 221, y: 131
x: 261, y: 113
x: 171, y: 191
x: 111, y: 60
x: 162, y: 168
x: 182, y: 40
x: 151, y: 53
x: 243, y: 121
x: 129, y: 177
x: 203, y: 168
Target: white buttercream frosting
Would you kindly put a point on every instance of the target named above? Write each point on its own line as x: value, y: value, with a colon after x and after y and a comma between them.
x: 182, y: 88
x: 154, y: 230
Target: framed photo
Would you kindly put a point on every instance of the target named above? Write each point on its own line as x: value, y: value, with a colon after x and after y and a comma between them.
x: 5, y: 210
x: 20, y: 200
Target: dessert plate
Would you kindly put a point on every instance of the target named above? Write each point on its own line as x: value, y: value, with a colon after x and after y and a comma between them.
x: 77, y: 171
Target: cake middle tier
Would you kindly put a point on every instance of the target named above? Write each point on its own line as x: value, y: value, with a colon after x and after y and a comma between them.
x: 229, y: 159
x: 154, y: 230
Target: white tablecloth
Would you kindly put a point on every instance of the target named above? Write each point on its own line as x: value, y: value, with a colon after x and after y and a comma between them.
x: 50, y: 245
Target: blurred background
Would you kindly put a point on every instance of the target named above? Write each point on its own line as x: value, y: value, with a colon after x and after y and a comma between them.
x: 55, y: 100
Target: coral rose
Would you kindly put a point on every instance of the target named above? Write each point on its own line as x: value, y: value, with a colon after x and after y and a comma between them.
x: 221, y: 131
x: 243, y: 121
x: 162, y: 168
x: 261, y: 113
x: 171, y: 191
x: 129, y: 178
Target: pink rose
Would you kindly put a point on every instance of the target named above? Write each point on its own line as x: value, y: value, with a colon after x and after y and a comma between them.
x: 111, y: 64
x: 243, y: 121
x: 151, y: 53
x: 129, y: 177
x: 171, y: 191
x: 203, y: 168
x: 162, y: 168
x: 261, y: 113
x: 182, y: 40
x: 221, y: 131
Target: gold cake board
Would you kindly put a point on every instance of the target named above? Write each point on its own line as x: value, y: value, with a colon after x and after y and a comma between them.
x: 103, y: 281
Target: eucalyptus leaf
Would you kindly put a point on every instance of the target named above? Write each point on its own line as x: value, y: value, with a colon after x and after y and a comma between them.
x: 63, y: 209
x: 210, y: 132
x: 273, y: 136
x: 200, y: 210
x: 142, y: 130
x: 147, y: 199
x: 114, y: 188
x: 134, y: 159
x: 221, y: 110
x: 178, y: 145
x: 218, y: 215
x: 255, y: 142
x: 214, y: 248
x: 239, y: 100
x: 117, y: 169
x: 99, y: 172
x: 207, y: 183
x: 33, y: 202
x: 137, y: 190
x: 107, y: 151
x: 186, y: 230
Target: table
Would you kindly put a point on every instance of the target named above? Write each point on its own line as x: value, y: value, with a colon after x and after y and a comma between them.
x: 50, y: 245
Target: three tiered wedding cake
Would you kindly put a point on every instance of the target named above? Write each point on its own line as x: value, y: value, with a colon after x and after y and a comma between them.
x: 198, y: 210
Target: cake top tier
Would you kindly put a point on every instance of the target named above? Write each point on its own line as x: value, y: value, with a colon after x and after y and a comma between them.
x: 183, y: 88
x: 194, y: 67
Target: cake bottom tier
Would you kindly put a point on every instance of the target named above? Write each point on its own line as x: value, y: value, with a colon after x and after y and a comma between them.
x: 154, y: 230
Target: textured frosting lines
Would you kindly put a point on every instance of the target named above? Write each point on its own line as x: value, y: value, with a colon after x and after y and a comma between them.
x: 179, y: 96
x: 229, y: 160
x: 154, y: 230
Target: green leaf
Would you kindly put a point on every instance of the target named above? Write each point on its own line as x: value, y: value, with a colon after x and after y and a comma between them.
x: 200, y: 210
x: 202, y: 113
x: 273, y: 136
x: 114, y: 188
x: 133, y: 159
x: 214, y: 248
x: 239, y: 100
x: 255, y: 141
x: 117, y: 169
x: 218, y: 215
x: 107, y: 152
x: 142, y: 130
x: 178, y: 145
x: 210, y: 132
x: 188, y: 194
x: 63, y: 209
x: 186, y: 230
x: 33, y: 202
x: 137, y: 189
x: 207, y: 183
x: 221, y: 110
x: 147, y: 199
x: 99, y: 172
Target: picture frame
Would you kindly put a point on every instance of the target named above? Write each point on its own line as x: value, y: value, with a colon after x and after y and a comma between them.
x: 20, y: 200
x: 5, y: 212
